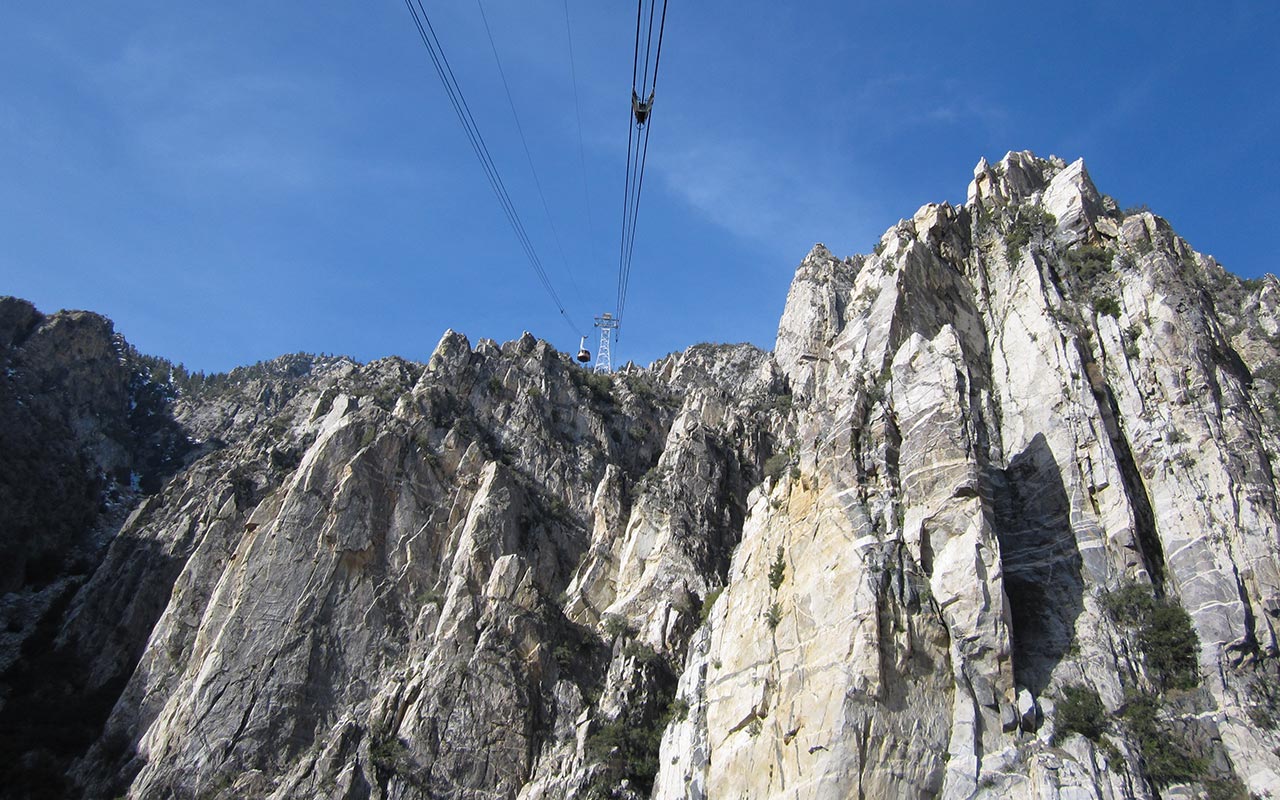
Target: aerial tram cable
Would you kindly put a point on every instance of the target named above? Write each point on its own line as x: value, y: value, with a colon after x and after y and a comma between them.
x: 642, y: 156
x: 573, y: 281
x: 429, y: 40
x: 643, y: 92
x: 631, y: 130
x: 577, y: 107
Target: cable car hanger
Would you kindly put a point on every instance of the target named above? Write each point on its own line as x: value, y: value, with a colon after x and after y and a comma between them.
x: 641, y: 108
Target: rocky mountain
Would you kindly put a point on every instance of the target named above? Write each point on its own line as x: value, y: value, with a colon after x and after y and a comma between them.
x: 996, y: 518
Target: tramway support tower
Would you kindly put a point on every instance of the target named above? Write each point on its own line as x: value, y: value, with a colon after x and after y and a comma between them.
x: 607, y: 325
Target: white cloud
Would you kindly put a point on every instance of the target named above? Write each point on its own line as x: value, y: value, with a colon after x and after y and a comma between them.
x: 188, y: 113
x: 771, y: 199
x: 904, y: 101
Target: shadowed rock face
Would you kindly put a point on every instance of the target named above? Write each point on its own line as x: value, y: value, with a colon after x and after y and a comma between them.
x: 868, y: 564
x: 79, y: 423
x: 85, y: 434
x: 1042, y: 564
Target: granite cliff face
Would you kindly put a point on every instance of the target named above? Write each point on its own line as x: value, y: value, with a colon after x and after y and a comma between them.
x: 996, y: 518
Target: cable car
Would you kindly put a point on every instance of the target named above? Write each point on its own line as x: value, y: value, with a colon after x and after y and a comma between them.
x: 584, y: 355
x: 641, y: 108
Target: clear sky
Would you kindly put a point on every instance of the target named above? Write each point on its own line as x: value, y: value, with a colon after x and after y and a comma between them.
x: 234, y: 180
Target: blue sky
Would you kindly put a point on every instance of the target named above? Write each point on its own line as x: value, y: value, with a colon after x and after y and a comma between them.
x: 235, y: 180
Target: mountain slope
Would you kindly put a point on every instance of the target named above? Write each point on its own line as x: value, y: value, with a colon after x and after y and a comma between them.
x: 1019, y: 420
x: 996, y: 518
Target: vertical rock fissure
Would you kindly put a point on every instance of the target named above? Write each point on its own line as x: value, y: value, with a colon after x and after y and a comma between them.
x: 1144, y: 521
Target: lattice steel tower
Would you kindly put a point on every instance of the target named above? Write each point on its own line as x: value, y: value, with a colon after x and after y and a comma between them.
x: 607, y: 324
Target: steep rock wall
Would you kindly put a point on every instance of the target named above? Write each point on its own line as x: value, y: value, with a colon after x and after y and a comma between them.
x: 886, y: 560
x: 1008, y: 414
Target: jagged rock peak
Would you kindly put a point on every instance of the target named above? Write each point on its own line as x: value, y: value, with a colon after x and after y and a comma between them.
x: 1065, y: 191
x: 819, y: 254
x: 452, y: 351
x: 1060, y: 337
x: 17, y: 319
x: 1013, y: 179
x: 997, y: 518
x: 739, y: 370
x: 526, y: 343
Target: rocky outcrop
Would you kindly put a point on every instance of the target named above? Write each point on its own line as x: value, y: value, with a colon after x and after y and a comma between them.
x: 1012, y: 411
x: 85, y: 435
x: 78, y: 418
x: 996, y: 518
x: 505, y: 535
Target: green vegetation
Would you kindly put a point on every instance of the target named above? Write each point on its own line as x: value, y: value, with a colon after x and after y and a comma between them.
x: 877, y: 390
x: 641, y: 653
x: 1089, y: 262
x: 386, y: 751
x: 708, y: 602
x: 1018, y: 237
x: 565, y: 656
x: 390, y: 755
x: 1263, y: 716
x: 1107, y: 306
x: 1164, y: 635
x: 777, y: 570
x: 1129, y: 604
x: 217, y: 787
x: 1131, y: 335
x: 180, y: 380
x: 775, y: 465
x: 615, y: 626
x: 773, y: 615
x: 556, y: 508
x: 1080, y: 711
x: 1228, y: 788
x: 679, y: 709
x: 651, y: 479
x: 627, y: 747
x: 1232, y: 296
x: 1166, y: 757
x: 1170, y: 645
x: 642, y: 387
x: 1269, y: 373
x: 1026, y: 222
x: 600, y: 385
x: 383, y: 397
x: 1122, y: 261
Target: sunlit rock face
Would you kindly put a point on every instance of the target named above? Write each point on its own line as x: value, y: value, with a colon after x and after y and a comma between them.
x: 1007, y: 414
x: 998, y: 506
